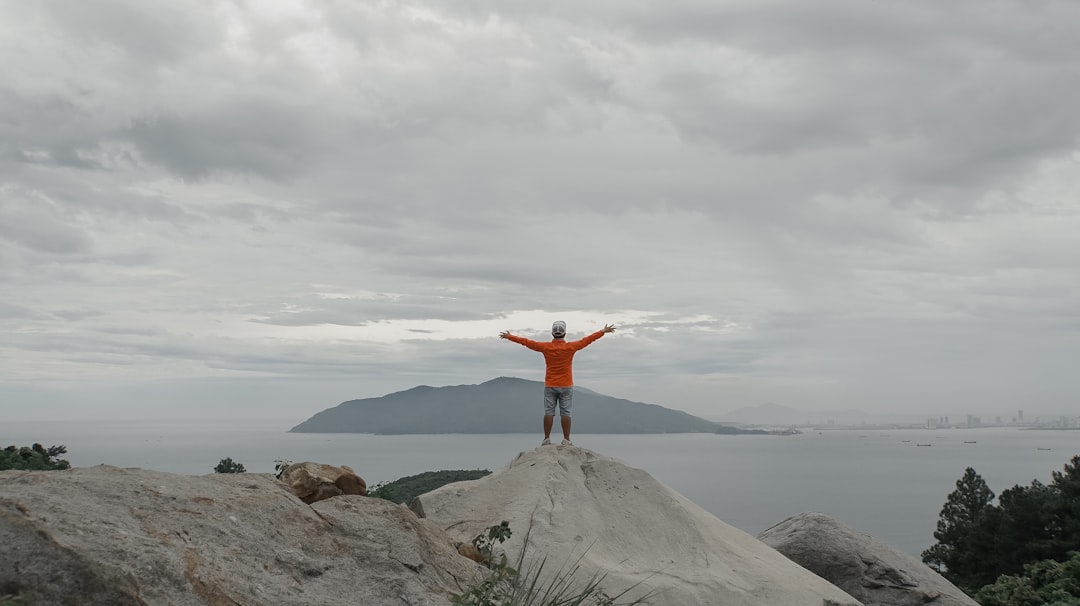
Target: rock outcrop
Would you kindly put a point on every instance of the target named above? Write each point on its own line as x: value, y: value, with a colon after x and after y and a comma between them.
x: 313, y: 482
x: 875, y: 573
x: 576, y: 507
x: 118, y: 537
x: 124, y: 537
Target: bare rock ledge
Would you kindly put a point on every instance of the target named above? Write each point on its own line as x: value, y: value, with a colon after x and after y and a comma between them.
x: 125, y: 537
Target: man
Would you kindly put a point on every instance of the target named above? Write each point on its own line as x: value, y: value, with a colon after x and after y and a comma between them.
x: 559, y: 377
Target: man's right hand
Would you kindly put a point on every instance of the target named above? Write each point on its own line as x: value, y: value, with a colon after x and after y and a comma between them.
x: 609, y: 328
x: 504, y: 334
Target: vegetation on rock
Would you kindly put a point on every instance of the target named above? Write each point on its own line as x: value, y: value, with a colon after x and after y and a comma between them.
x: 35, y: 457
x: 404, y: 490
x: 1023, y: 547
x: 17, y: 599
x: 508, y: 585
x: 227, y: 465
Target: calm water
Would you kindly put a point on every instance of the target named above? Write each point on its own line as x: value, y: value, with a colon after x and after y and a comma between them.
x: 879, y: 482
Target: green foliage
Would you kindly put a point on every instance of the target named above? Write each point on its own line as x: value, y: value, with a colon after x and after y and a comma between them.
x: 227, y: 465
x: 961, y: 543
x: 1013, y: 544
x: 1043, y: 583
x: 404, y: 490
x: 383, y: 490
x: 35, y: 457
x: 1067, y: 508
x: 17, y: 599
x: 485, y: 542
x: 506, y: 586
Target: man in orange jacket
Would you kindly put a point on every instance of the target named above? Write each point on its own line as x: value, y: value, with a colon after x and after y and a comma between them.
x: 559, y: 377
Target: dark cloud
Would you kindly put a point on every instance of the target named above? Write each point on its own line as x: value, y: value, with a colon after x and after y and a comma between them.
x: 824, y: 202
x: 244, y: 137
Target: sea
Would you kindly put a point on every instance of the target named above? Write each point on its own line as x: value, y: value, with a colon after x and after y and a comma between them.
x: 890, y: 484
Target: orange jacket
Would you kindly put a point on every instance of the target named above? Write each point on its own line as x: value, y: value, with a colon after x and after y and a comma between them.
x: 559, y: 355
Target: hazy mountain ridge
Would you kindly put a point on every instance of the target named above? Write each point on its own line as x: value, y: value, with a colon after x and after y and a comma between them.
x: 778, y: 414
x: 501, y: 405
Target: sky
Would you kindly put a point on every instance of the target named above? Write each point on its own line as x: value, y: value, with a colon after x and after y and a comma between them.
x: 260, y: 209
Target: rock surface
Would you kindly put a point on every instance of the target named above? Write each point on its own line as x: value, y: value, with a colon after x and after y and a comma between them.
x: 313, y: 482
x: 118, y: 537
x: 576, y: 506
x: 875, y: 573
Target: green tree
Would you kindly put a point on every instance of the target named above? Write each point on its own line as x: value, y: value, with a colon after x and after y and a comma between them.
x: 1065, y: 511
x: 35, y: 457
x: 1043, y: 583
x: 1026, y: 532
x: 965, y: 534
x: 227, y: 465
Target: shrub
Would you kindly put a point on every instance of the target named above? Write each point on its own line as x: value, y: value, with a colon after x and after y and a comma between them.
x: 35, y: 457
x: 1044, y: 583
x: 227, y: 465
x: 506, y: 585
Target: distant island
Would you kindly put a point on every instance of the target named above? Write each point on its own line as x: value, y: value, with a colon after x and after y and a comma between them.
x: 502, y: 405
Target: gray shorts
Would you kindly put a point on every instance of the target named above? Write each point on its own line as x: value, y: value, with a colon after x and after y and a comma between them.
x: 564, y: 396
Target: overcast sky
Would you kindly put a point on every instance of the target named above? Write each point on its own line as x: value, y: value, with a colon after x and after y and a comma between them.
x: 264, y: 208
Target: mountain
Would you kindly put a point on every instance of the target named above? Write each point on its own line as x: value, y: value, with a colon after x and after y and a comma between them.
x: 502, y: 405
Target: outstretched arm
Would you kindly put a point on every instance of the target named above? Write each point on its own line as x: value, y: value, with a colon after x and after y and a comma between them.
x: 534, y: 345
x: 582, y: 343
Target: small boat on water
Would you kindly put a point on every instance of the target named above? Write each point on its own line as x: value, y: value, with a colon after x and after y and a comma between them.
x: 1045, y: 449
x: 905, y: 440
x: 969, y: 442
x: 924, y: 444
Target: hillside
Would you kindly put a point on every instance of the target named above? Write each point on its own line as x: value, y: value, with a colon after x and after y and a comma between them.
x: 502, y: 405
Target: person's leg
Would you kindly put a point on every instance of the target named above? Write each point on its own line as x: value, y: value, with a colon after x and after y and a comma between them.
x: 566, y: 402
x: 550, y: 396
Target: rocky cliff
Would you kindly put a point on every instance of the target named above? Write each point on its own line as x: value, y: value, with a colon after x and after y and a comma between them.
x: 117, y: 537
x: 574, y: 506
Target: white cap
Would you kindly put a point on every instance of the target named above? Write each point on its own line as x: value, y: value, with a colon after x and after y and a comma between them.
x: 558, y: 329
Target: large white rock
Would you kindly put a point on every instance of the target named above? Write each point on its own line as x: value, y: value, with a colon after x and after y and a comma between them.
x: 575, y: 506
x: 125, y: 537
x: 876, y: 573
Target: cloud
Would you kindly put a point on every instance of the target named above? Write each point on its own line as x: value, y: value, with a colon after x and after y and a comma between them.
x: 839, y: 205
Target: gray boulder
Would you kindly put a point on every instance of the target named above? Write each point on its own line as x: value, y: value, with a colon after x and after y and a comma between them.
x: 118, y: 537
x: 576, y: 507
x: 873, y: 572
